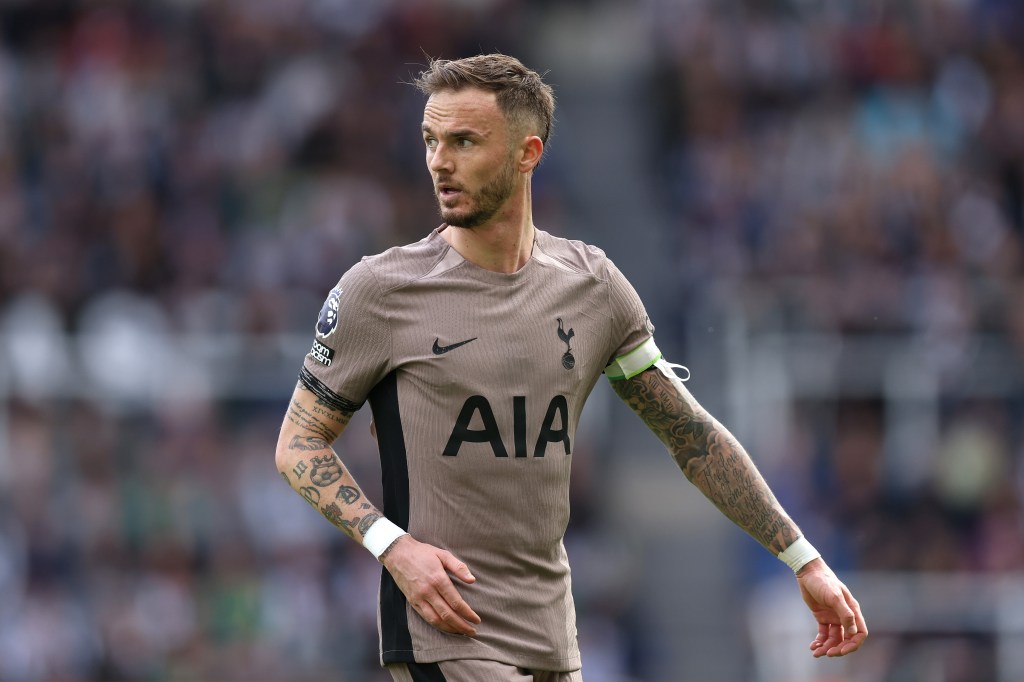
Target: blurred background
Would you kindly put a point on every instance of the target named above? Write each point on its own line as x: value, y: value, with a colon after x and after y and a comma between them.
x: 822, y: 204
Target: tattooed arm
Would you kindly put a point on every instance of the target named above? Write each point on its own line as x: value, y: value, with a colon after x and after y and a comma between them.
x: 709, y: 456
x: 313, y: 469
x: 714, y: 461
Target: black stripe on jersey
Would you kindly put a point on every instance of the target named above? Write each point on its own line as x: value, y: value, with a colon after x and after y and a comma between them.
x: 325, y: 394
x: 395, y: 640
x: 426, y: 672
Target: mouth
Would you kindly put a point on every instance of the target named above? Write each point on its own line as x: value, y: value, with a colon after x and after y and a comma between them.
x: 447, y: 191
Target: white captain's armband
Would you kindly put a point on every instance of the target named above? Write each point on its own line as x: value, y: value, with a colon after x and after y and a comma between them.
x: 668, y: 369
x: 635, y: 361
x: 644, y: 356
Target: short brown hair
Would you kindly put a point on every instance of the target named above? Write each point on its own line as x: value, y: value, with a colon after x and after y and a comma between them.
x: 523, y: 96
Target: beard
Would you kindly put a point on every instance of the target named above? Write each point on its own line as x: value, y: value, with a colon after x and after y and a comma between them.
x: 483, y: 203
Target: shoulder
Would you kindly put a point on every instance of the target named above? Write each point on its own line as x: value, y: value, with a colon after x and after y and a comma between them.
x: 578, y: 256
x: 400, y: 265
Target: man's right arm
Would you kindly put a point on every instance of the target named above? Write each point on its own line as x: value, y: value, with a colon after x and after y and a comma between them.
x: 307, y: 460
x: 313, y: 469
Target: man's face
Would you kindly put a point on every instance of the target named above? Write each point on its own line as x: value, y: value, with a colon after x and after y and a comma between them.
x: 469, y: 155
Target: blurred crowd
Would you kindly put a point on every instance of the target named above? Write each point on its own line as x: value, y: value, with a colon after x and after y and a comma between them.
x: 205, y: 170
x: 174, y: 172
x: 854, y: 172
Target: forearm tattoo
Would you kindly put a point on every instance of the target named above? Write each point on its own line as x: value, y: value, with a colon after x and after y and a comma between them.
x: 709, y: 456
x: 315, y: 471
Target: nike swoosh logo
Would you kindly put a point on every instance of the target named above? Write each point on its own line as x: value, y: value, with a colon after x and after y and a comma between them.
x: 441, y: 350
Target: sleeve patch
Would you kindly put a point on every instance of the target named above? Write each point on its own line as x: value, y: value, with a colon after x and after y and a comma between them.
x: 327, y: 322
x: 321, y: 353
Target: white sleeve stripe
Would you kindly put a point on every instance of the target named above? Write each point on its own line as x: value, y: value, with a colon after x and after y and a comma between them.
x: 635, y: 361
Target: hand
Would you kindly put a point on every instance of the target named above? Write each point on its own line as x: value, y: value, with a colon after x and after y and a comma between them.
x: 421, y: 573
x: 841, y: 627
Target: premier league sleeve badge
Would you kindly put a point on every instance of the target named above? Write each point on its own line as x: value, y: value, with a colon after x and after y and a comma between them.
x: 328, y: 320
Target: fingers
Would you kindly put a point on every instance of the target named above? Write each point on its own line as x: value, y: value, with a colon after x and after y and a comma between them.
x: 851, y: 644
x: 821, y: 638
x: 423, y: 576
x: 459, y: 606
x: 443, y: 607
x: 834, y: 646
x: 845, y: 637
x: 846, y: 616
x: 837, y: 631
x: 441, y: 616
x: 833, y: 637
x: 455, y: 606
x: 858, y: 632
x: 841, y: 625
x: 861, y: 626
x: 456, y: 567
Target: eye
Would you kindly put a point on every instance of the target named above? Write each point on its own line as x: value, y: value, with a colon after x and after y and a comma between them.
x: 430, y: 142
x: 464, y: 142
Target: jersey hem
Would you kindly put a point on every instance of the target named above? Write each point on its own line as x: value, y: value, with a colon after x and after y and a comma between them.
x: 567, y: 664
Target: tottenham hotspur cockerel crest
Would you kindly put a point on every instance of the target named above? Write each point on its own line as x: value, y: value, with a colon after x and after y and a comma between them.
x: 568, y: 361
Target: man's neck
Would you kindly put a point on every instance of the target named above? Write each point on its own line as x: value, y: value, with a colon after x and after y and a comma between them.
x: 503, y: 244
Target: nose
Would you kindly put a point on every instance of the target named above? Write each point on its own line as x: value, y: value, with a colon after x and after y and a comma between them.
x: 438, y: 159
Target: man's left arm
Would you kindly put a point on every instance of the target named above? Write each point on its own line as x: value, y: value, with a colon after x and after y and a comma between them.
x: 714, y: 461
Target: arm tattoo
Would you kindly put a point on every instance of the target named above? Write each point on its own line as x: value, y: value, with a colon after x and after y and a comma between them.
x: 323, y: 409
x: 367, y: 521
x: 323, y: 420
x: 347, y: 494
x: 319, y: 425
x: 709, y: 456
x: 311, y: 495
x: 326, y: 470
x: 304, y: 419
x: 308, y: 443
x: 332, y: 513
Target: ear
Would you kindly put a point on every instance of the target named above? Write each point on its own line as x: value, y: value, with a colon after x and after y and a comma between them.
x: 530, y: 150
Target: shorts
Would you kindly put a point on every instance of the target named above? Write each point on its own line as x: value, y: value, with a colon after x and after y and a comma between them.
x: 474, y: 670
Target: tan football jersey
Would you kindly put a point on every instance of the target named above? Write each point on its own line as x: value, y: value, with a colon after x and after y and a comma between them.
x: 476, y: 380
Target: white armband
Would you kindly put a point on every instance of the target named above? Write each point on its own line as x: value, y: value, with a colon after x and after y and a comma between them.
x: 635, y: 361
x: 380, y: 535
x: 799, y: 554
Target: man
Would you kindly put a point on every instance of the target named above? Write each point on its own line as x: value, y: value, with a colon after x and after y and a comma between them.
x: 477, y: 347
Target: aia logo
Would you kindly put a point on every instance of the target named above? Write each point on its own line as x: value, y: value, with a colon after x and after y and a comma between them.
x: 554, y: 428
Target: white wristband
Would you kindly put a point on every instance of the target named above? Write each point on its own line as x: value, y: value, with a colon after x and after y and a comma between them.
x: 799, y: 554
x: 380, y: 535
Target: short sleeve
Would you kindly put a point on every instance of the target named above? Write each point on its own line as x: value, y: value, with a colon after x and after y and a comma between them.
x: 635, y: 349
x: 351, y: 342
